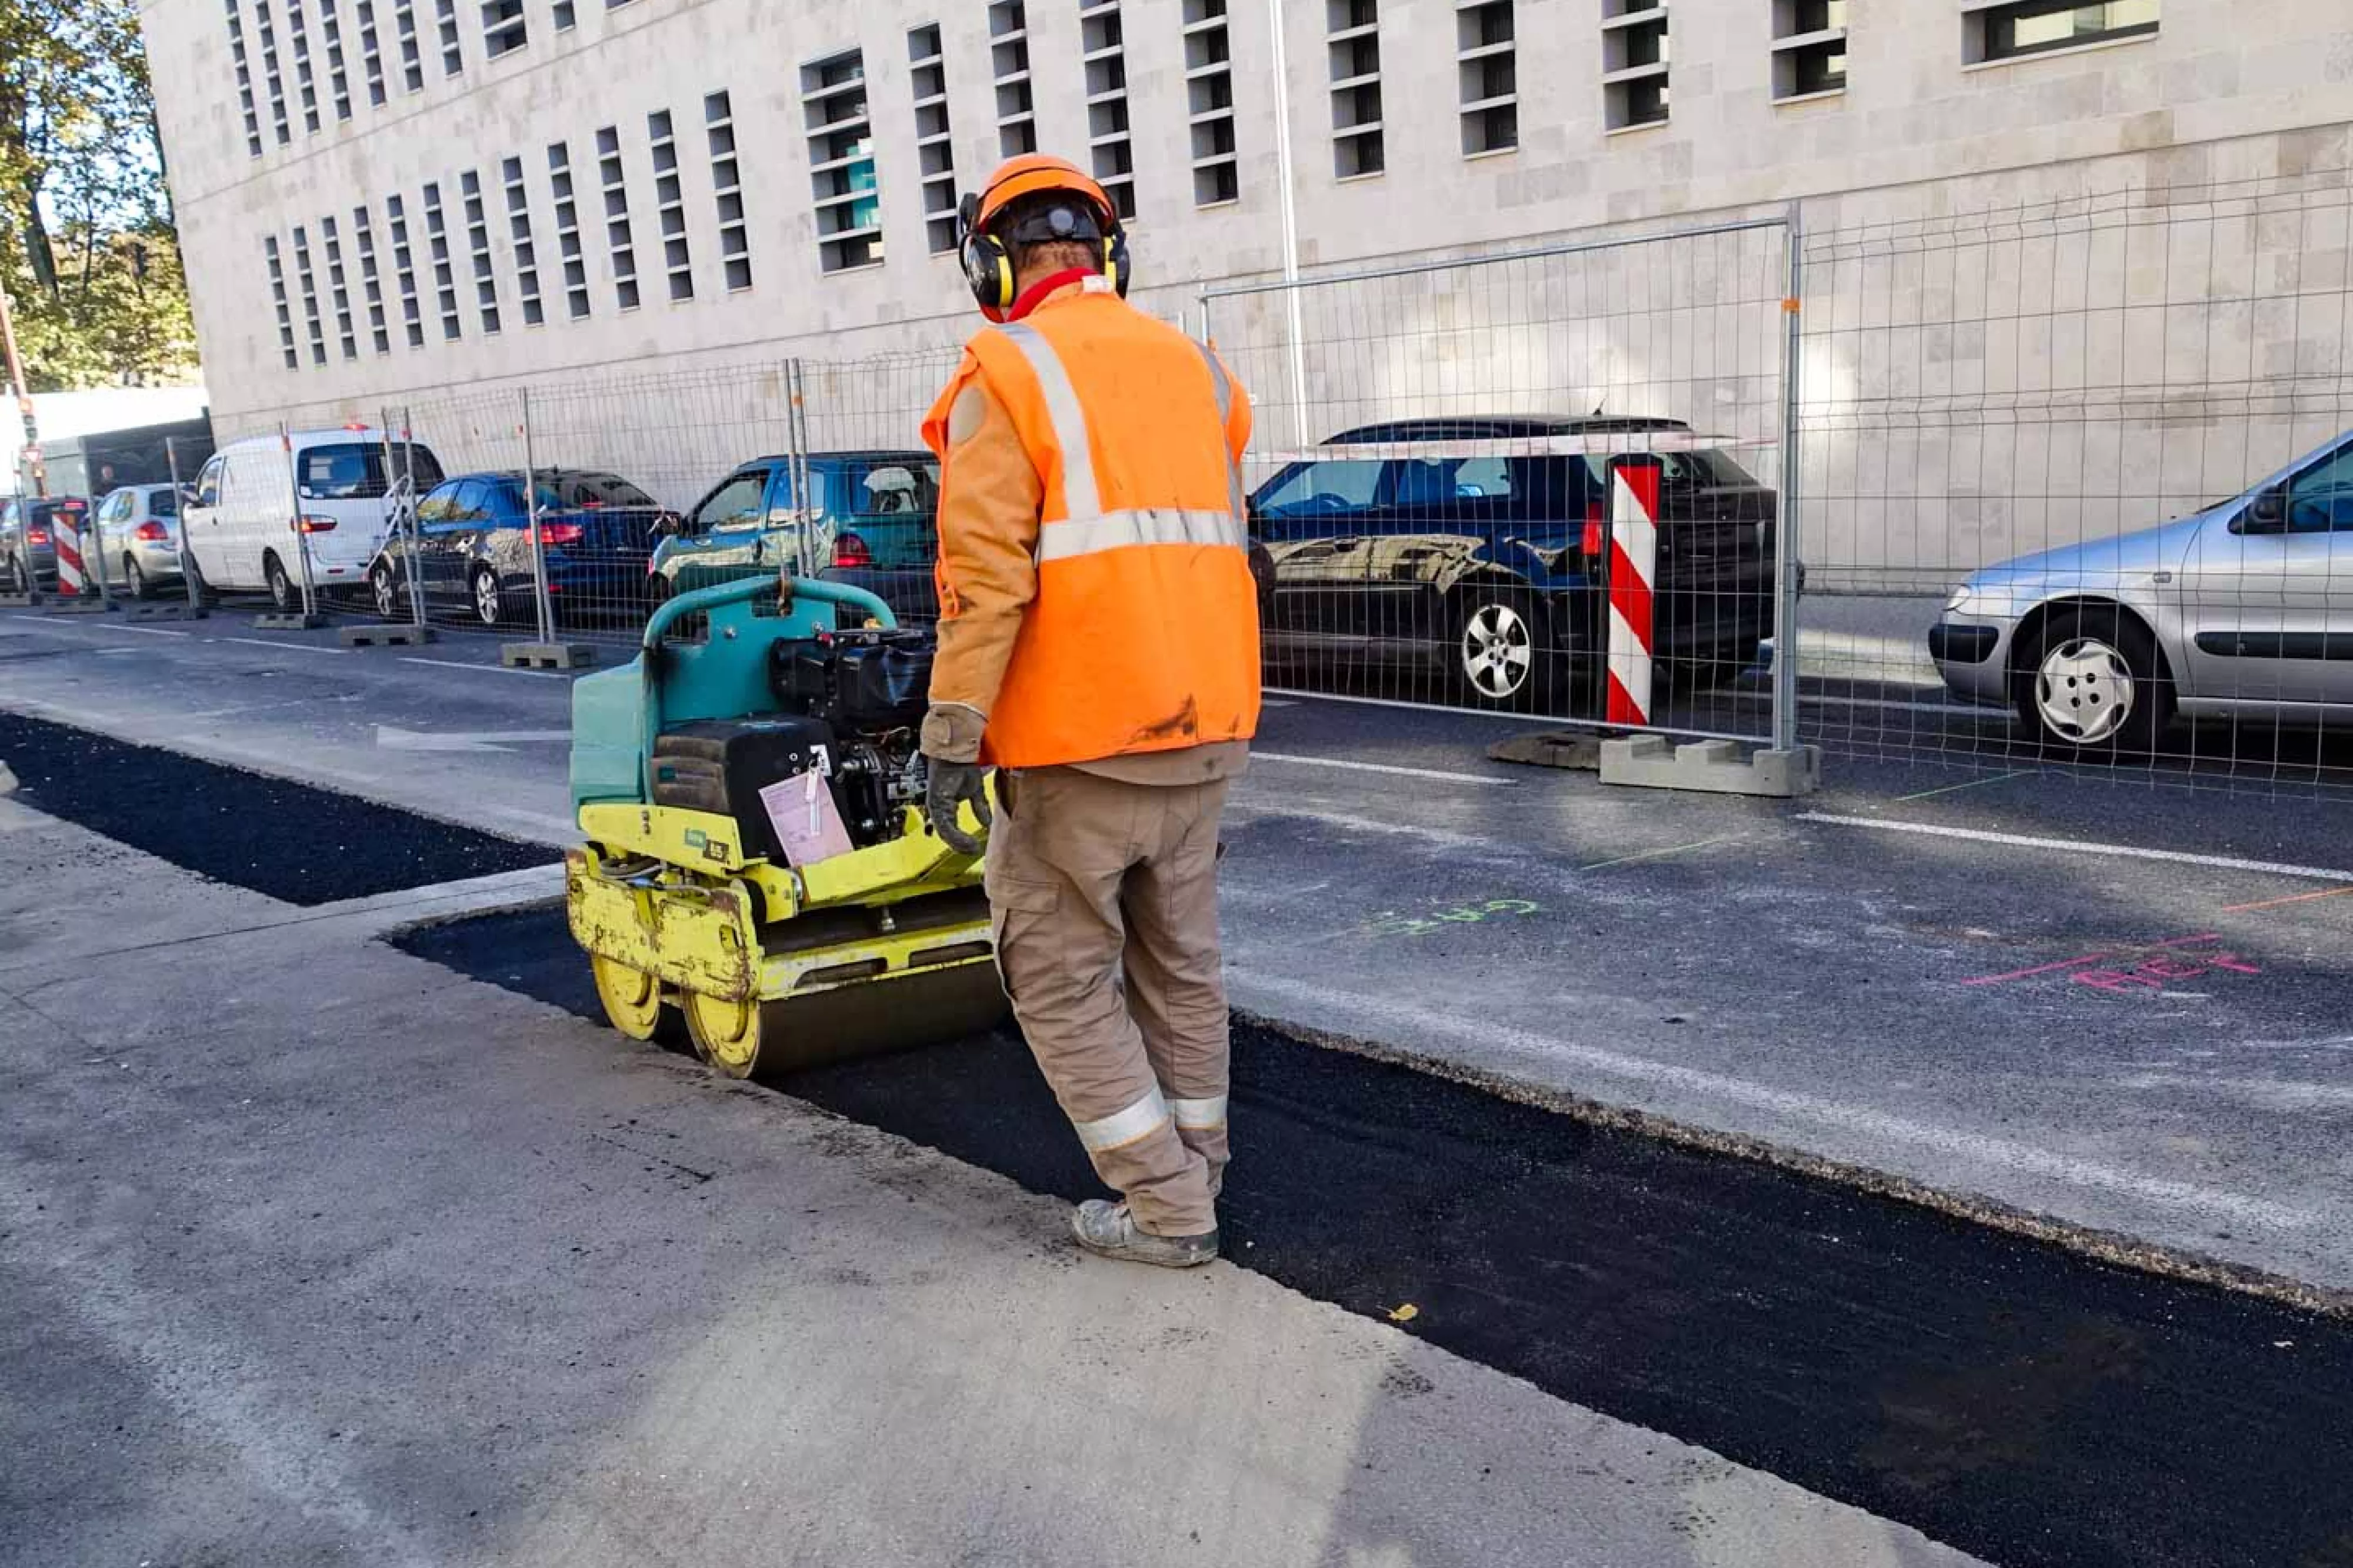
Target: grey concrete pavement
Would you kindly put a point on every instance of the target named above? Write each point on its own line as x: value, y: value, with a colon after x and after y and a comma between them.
x: 311, y: 1252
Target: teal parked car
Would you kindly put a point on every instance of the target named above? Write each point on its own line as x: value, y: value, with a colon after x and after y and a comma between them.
x: 748, y: 524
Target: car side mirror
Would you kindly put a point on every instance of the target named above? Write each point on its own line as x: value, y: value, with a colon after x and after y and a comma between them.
x: 2268, y: 514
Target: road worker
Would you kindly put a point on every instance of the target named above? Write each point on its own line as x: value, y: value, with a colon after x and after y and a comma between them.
x: 1098, y: 646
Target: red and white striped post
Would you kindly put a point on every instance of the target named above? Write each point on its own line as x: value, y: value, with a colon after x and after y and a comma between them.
x: 1633, y: 568
x: 64, y: 540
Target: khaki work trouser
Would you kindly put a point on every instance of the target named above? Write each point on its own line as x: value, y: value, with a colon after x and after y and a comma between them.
x: 1104, y: 899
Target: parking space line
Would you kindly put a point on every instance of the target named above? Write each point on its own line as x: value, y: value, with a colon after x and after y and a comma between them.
x: 1380, y: 768
x: 150, y: 631
x: 2075, y: 847
x: 1300, y: 693
x: 283, y: 646
x: 1654, y: 853
x: 485, y: 668
x: 1966, y: 784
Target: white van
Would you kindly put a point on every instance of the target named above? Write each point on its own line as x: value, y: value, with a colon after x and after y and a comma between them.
x: 243, y: 529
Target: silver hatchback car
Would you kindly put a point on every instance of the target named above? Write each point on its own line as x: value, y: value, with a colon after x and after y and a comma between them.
x: 2244, y: 610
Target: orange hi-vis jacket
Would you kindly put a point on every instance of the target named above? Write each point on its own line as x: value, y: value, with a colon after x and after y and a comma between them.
x: 1143, y: 633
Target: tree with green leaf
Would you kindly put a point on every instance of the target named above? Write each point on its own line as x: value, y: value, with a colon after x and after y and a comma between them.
x: 88, y: 249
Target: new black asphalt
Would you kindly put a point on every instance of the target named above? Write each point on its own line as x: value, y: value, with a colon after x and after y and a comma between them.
x: 2004, y: 1396
x: 289, y: 840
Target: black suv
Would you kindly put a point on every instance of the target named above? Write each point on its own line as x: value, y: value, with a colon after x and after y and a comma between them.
x: 1480, y: 572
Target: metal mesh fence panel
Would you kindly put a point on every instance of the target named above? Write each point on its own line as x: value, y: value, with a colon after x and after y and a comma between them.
x: 872, y: 486
x: 1436, y: 515
x: 2078, y: 485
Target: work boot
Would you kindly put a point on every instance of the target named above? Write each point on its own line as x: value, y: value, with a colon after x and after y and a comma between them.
x: 1108, y: 1230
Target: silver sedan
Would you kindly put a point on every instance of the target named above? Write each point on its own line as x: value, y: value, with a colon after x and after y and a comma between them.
x: 2243, y: 610
x: 137, y: 545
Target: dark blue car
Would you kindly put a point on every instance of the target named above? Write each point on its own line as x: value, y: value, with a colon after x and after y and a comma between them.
x: 1461, y: 558
x: 597, y: 531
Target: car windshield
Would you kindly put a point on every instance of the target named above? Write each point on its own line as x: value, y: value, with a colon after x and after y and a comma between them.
x: 354, y: 470
x: 562, y: 491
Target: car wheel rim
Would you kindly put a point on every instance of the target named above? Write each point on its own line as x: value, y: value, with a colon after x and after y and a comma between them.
x: 486, y: 599
x: 2084, y: 690
x: 385, y: 604
x: 1497, y: 650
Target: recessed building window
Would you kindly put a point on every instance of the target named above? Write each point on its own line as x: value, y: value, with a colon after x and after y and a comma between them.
x: 307, y: 282
x: 285, y: 345
x: 935, y: 148
x: 1486, y: 64
x: 1209, y: 98
x: 273, y: 80
x: 339, y: 81
x: 727, y: 190
x: 1008, y: 58
x: 453, y: 54
x: 339, y: 293
x: 243, y: 82
x: 1809, y: 47
x: 445, y: 271
x: 841, y: 162
x: 412, y: 51
x: 404, y: 272
x: 619, y: 237
x: 526, y: 252
x: 1353, y: 42
x: 305, y: 84
x: 565, y: 19
x: 370, y: 50
x: 2002, y: 32
x: 478, y: 245
x: 503, y: 29
x: 670, y: 204
x: 1634, y: 63
x: 1103, y: 45
x: 567, y: 229
x: 371, y: 278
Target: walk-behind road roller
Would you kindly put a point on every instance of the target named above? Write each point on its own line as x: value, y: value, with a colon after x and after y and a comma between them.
x: 757, y: 868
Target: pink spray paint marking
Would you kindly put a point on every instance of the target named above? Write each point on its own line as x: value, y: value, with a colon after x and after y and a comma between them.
x: 2149, y: 974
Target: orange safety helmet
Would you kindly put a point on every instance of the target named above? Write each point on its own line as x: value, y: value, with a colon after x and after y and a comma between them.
x: 988, y: 259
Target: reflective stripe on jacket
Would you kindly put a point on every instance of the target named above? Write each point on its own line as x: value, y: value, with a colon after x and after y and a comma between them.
x: 1143, y: 635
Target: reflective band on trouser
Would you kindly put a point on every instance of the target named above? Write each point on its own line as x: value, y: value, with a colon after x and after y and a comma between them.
x: 1062, y: 410
x: 1199, y: 1115
x: 1225, y: 389
x: 1146, y: 525
x: 1121, y: 1128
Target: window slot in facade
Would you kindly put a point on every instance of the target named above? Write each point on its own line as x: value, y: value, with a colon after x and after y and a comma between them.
x: 1633, y: 63
x: 243, y: 82
x: 1486, y: 65
x: 1008, y: 59
x: 1352, y: 41
x: 848, y: 199
x: 339, y: 81
x: 453, y: 54
x: 273, y: 80
x: 339, y: 292
x: 1110, y: 148
x: 286, y: 347
x: 669, y: 205
x: 727, y: 190
x: 1209, y: 99
x: 412, y: 55
x: 2011, y: 29
x: 526, y: 252
x: 1809, y: 47
x: 309, y: 283
x: 564, y: 19
x: 370, y: 50
x: 371, y: 278
x: 504, y: 29
x: 478, y: 247
x: 306, y: 85
x: 444, y: 274
x: 568, y: 230
x: 404, y: 270
x: 619, y: 235
x: 935, y: 145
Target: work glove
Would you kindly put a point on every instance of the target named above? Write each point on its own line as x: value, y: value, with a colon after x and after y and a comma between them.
x: 951, y: 785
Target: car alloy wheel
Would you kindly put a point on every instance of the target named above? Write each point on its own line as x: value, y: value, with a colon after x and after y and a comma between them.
x: 1498, y: 651
x: 135, y: 580
x: 2084, y: 690
x: 387, y: 594
x: 488, y: 601
x: 282, y: 587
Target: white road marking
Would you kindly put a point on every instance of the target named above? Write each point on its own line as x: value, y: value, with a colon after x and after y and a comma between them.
x: 282, y: 647
x: 1380, y: 768
x: 2069, y: 846
x: 1411, y: 707
x: 485, y: 668
x: 1476, y: 1035
x: 151, y: 631
x: 395, y: 738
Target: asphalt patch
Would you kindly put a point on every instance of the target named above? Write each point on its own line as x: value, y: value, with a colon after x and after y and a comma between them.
x: 287, y: 840
x: 2003, y: 1396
